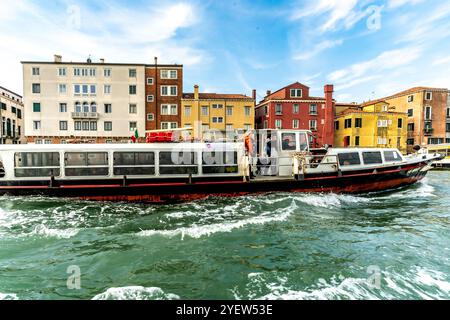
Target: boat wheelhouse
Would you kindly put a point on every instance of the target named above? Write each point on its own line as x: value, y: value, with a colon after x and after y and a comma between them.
x: 263, y: 161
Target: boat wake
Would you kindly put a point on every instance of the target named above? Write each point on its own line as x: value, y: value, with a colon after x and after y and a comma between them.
x: 8, y: 296
x: 135, y: 293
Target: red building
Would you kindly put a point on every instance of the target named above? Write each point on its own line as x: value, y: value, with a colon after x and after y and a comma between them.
x: 293, y: 108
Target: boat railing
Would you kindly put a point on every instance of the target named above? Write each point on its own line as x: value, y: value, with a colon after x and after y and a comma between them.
x: 315, y: 164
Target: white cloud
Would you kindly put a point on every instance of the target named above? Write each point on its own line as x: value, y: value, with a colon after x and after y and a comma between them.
x: 441, y: 61
x: 399, y: 3
x: 327, y: 44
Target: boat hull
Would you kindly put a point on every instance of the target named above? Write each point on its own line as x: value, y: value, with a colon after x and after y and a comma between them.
x: 170, y: 191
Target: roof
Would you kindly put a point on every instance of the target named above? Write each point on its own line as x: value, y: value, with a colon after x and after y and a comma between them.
x: 217, y: 96
x: 11, y: 92
x: 105, y: 64
x: 284, y: 88
x: 404, y: 93
x: 349, y: 111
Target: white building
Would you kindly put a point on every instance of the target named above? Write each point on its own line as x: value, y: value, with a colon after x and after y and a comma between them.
x: 73, y: 102
x: 11, y: 115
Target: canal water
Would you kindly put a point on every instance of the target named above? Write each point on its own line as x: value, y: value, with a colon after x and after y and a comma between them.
x: 392, y: 245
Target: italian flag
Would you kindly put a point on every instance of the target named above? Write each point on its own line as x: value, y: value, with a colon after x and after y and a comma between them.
x: 135, y: 137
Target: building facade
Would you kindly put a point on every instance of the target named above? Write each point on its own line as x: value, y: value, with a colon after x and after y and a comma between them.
x: 163, y: 91
x: 11, y: 114
x: 428, y: 112
x: 371, y: 126
x: 87, y: 102
x: 218, y: 112
x: 292, y: 107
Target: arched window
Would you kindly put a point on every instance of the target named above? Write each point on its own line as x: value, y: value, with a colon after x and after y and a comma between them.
x: 93, y: 107
x: 77, y: 106
x: 85, y: 107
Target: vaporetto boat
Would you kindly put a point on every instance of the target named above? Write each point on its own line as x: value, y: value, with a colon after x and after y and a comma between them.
x: 262, y: 162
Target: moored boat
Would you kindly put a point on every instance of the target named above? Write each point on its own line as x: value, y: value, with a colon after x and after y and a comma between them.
x: 266, y: 161
x: 444, y: 151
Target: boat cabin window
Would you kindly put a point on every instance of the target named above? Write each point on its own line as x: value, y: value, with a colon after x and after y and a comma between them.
x: 372, y: 157
x: 176, y: 163
x: 288, y: 142
x: 392, y: 156
x: 2, y: 170
x: 80, y: 164
x: 134, y: 163
x: 220, y: 162
x: 36, y: 164
x: 349, y: 159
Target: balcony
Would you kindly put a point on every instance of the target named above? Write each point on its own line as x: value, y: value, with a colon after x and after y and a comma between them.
x: 85, y: 115
x: 428, y: 131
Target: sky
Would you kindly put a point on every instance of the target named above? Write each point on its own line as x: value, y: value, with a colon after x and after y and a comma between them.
x: 366, y: 48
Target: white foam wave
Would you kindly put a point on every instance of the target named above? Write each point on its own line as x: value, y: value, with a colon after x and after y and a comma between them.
x: 8, y: 296
x: 329, y: 200
x: 42, y: 230
x: 135, y: 293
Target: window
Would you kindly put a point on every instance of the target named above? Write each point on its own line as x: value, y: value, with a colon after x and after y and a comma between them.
x: 428, y: 113
x: 358, y: 123
x: 78, y: 107
x: 172, y: 163
x: 63, y: 107
x: 169, y: 125
x: 108, y: 126
x: 296, y: 93
x: 133, y: 109
x: 169, y: 110
x: 205, y: 111
x: 150, y: 117
x: 19, y: 115
x: 63, y: 125
x: 93, y: 107
x: 36, y: 88
x: 13, y: 109
x: 169, y: 91
x: 400, y: 123
x: 150, y: 98
x: 349, y: 159
x: 76, y: 72
x: 36, y: 107
x: 133, y: 126
x: 336, y: 125
x: 36, y: 164
x: 447, y: 127
x: 134, y: 163
x: 35, y: 71
x: 356, y: 141
x: 85, y: 89
x: 217, y: 106
x: 86, y: 164
x: 92, y: 72
x: 85, y: 125
x: 133, y: 89
x: 278, y: 124
x: 392, y: 156
x: 279, y: 109
x: 382, y: 123
x: 229, y: 127
x: 36, y: 125
x: 217, y: 119
x: 313, y: 125
x: 428, y: 95
x: 169, y: 74
x: 288, y: 142
x: 107, y: 73
x: 410, y: 142
x: 38, y: 141
x: 372, y: 157
x: 248, y: 111
x: 229, y: 111
x: 248, y: 127
x: 187, y: 111
x: 382, y: 141
x: 107, y: 89
x: 62, y: 72
x: 410, y: 126
x: 347, y: 123
x: 132, y: 73
x: 85, y: 107
x: 108, y: 108
x: 410, y: 98
x: 296, y: 108
x: 93, y: 126
x: 313, y: 109
x: 77, y: 89
x: 295, y: 124
x: 62, y: 88
x: 93, y: 90
x: 410, y: 112
x: 448, y: 113
x: 150, y: 81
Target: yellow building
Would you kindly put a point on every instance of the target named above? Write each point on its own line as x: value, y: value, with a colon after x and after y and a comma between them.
x: 371, y: 126
x: 219, y: 112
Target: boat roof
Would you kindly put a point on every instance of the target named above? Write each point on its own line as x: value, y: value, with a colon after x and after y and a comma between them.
x: 352, y: 150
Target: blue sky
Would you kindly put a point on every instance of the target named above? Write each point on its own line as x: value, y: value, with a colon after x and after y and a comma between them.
x: 365, y: 48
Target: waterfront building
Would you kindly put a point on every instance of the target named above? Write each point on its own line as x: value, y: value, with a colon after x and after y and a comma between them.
x: 428, y: 112
x: 217, y: 112
x: 292, y: 107
x: 11, y: 115
x: 373, y: 125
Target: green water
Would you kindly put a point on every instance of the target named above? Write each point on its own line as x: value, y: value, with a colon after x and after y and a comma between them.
x: 393, y: 245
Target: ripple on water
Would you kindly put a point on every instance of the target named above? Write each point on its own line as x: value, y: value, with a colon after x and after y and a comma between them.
x: 135, y: 293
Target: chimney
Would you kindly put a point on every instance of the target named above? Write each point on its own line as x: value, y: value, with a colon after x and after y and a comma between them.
x: 268, y: 92
x: 254, y: 94
x: 156, y: 61
x: 58, y: 58
x: 102, y: 60
x: 328, y: 137
x: 196, y: 92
